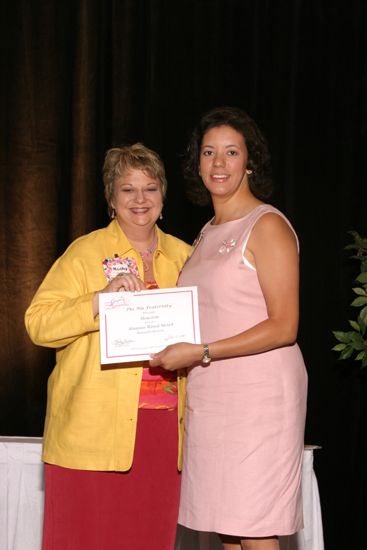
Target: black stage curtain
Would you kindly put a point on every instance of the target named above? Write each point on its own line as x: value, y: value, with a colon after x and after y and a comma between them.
x: 78, y: 77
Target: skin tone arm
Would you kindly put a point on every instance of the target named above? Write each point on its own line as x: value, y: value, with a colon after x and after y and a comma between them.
x: 272, y: 249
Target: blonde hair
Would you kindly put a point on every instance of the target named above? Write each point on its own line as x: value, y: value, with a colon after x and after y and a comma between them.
x: 136, y: 156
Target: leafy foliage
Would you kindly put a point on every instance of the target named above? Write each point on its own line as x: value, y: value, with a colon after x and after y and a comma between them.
x: 354, y: 342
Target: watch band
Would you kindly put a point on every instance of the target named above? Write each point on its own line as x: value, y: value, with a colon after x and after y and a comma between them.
x: 206, y: 357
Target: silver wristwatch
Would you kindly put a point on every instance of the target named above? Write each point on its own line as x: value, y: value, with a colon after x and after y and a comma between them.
x: 206, y: 357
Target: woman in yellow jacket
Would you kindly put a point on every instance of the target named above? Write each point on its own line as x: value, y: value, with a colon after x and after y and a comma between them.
x: 112, y: 433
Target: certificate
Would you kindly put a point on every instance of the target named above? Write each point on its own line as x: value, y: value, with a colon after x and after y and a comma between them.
x: 133, y: 325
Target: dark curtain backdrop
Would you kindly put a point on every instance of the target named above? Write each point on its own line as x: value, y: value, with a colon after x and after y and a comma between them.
x: 78, y: 77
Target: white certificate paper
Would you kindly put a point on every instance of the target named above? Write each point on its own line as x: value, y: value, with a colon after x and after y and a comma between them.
x: 133, y: 325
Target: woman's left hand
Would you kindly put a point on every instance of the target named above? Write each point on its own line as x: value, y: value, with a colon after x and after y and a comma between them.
x: 177, y: 356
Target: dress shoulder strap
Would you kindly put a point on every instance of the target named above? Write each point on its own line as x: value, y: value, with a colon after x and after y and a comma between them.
x: 254, y: 217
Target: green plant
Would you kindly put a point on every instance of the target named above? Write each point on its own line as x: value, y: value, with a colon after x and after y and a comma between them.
x: 354, y: 342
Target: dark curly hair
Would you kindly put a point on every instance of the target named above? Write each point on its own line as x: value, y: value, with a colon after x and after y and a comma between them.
x: 260, y: 181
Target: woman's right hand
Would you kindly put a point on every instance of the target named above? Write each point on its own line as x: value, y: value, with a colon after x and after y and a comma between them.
x: 126, y: 282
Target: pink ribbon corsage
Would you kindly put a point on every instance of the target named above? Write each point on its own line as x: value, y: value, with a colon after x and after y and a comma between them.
x: 227, y: 246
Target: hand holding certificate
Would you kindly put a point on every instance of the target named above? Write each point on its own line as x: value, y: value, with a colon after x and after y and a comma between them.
x: 135, y: 325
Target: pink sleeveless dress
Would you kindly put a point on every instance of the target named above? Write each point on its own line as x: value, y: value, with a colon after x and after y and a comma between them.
x: 245, y: 416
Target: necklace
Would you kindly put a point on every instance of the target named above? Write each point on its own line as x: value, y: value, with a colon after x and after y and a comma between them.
x: 148, y: 251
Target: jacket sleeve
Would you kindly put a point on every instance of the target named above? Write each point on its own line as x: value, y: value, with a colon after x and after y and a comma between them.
x: 61, y: 310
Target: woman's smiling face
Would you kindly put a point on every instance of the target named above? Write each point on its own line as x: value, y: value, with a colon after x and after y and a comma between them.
x: 137, y: 199
x: 223, y: 161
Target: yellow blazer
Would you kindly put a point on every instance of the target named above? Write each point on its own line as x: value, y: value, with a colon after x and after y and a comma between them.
x: 92, y: 410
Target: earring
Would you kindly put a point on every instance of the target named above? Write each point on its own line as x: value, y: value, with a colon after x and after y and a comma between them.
x: 249, y: 172
x: 161, y: 216
x: 113, y: 213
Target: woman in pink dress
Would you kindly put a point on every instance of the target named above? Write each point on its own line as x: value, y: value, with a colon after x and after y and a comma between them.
x: 247, y: 384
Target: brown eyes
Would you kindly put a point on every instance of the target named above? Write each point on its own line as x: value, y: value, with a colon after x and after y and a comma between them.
x: 209, y: 153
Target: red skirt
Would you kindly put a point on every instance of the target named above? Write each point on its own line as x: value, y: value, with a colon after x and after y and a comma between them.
x: 134, y: 510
